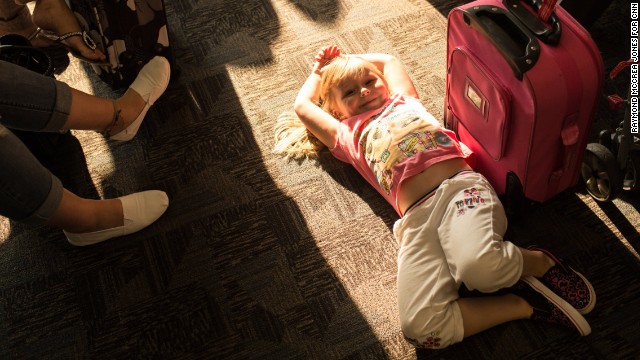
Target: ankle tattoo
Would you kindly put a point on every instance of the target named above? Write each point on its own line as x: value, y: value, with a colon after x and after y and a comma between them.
x: 117, y: 119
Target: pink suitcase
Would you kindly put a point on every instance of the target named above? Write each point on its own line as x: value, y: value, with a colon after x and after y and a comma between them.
x: 521, y: 94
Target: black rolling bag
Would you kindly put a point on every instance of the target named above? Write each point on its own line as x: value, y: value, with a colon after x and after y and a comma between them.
x: 586, y: 11
x: 130, y: 33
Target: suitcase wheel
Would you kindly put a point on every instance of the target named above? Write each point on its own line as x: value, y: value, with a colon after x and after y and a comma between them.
x: 600, y: 173
x: 605, y: 137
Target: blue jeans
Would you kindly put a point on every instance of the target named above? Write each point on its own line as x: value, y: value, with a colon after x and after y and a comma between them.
x: 29, y: 192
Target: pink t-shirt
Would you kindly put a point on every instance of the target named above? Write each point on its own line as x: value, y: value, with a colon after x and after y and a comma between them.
x: 395, y: 142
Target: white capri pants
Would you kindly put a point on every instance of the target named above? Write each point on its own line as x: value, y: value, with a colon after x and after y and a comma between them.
x: 455, y: 236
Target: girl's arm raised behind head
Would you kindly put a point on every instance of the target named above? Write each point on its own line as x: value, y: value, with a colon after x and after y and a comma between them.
x: 305, y: 133
x: 395, y: 73
x: 317, y: 121
x: 321, y: 124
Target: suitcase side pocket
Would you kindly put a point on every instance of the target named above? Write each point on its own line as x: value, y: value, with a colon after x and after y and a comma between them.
x: 479, y: 102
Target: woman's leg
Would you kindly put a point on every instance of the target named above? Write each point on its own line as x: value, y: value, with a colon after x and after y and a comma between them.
x: 15, y: 19
x: 89, y: 112
x: 127, y: 112
x: 32, y: 194
x: 32, y: 102
x: 29, y: 193
x: 79, y: 215
x: 55, y: 15
x: 29, y: 101
x: 51, y: 15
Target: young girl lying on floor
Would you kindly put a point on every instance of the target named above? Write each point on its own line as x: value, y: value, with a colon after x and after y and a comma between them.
x: 365, y: 109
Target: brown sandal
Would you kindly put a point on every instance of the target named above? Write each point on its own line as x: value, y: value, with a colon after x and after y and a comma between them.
x: 62, y: 40
x: 90, y: 38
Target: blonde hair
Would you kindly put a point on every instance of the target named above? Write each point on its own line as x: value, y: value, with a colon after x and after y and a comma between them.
x: 292, y: 138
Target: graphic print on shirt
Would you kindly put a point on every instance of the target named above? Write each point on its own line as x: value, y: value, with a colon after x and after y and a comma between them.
x: 397, y: 136
x: 472, y: 198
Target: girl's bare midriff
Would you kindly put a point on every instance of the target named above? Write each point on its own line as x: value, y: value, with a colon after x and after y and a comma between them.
x: 417, y: 186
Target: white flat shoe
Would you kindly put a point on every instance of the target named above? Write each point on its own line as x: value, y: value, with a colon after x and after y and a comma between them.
x: 140, y: 210
x: 151, y: 83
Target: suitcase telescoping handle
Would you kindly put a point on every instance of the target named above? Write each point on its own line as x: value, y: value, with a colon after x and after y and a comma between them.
x: 517, y: 45
x: 548, y: 33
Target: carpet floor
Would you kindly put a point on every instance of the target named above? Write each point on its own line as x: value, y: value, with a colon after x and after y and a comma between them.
x: 262, y: 258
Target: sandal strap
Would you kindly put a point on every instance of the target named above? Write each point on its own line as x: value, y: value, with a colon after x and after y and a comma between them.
x: 70, y: 34
x: 34, y: 34
x: 85, y: 37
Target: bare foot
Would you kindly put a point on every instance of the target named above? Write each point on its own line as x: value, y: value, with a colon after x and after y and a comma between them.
x: 55, y: 15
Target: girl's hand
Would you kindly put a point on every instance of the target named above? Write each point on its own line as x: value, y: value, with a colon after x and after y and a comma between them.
x: 325, y: 55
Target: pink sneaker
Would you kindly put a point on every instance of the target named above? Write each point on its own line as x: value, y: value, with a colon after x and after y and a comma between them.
x: 569, y: 284
x: 549, y: 307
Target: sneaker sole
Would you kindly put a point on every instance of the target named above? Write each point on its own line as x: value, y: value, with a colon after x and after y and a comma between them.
x: 578, y: 321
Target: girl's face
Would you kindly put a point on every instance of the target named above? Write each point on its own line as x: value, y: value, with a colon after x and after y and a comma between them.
x: 359, y: 94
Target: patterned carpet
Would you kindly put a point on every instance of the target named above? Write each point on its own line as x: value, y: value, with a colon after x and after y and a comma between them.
x: 260, y: 258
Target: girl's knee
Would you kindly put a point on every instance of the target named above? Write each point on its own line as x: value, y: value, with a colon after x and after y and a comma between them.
x: 491, y: 270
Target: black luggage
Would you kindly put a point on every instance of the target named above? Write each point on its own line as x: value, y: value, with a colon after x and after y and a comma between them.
x: 586, y: 12
x: 130, y: 33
